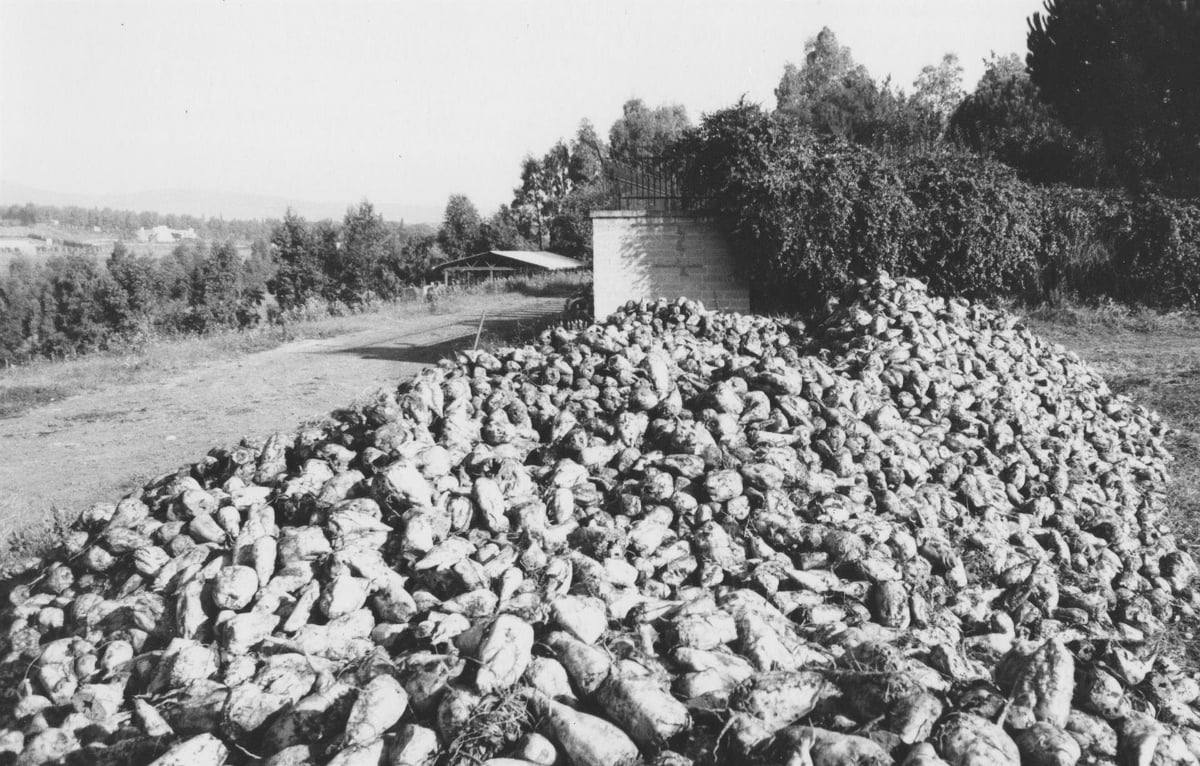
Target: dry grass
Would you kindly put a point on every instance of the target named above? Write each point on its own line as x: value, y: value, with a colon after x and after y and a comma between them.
x: 496, y: 725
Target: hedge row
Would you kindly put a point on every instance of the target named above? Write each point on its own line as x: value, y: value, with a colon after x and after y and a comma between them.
x: 816, y: 213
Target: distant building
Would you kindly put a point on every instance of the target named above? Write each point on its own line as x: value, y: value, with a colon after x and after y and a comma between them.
x: 503, y: 263
x: 165, y: 234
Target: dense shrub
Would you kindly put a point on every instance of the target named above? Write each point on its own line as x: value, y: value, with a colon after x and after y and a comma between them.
x: 976, y: 231
x: 840, y: 212
x: 813, y: 213
x: 1158, y: 252
x: 1109, y: 245
x: 1077, y: 252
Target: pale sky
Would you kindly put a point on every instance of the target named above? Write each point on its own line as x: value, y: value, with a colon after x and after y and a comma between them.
x: 407, y: 102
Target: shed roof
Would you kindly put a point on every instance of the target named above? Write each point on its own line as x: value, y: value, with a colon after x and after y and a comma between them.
x: 539, y: 259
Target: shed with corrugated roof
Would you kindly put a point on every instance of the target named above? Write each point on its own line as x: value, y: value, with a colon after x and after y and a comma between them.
x: 503, y: 263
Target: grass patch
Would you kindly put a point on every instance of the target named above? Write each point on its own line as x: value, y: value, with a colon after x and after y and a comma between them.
x: 20, y: 398
x: 37, y: 540
x: 1109, y: 316
x: 552, y: 285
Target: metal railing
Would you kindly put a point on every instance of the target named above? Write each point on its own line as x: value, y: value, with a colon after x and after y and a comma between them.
x: 648, y: 183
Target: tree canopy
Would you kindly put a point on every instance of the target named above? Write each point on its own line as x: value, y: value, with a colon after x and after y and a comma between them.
x: 1128, y: 73
x: 461, y: 228
x: 644, y: 132
x: 1005, y: 119
x: 830, y: 93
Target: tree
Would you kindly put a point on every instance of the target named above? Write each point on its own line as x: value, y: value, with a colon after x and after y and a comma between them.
x: 419, y: 256
x: 530, y: 201
x: 938, y: 90
x: 354, y: 266
x: 1127, y: 72
x: 21, y: 310
x: 502, y: 232
x: 552, y: 206
x: 221, y: 297
x: 299, y: 273
x: 460, y: 232
x: 1004, y: 118
x: 139, y: 289
x: 644, y: 132
x: 74, y: 312
x: 826, y: 65
x: 587, y: 154
x: 830, y: 94
x: 326, y: 243
x: 571, y: 226
x: 896, y: 125
x: 259, y: 269
x: 809, y: 213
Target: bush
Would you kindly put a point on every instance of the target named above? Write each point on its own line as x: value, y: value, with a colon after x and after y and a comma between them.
x: 1110, y: 246
x: 977, y: 226
x: 1158, y: 251
x: 812, y: 213
x: 1076, y: 256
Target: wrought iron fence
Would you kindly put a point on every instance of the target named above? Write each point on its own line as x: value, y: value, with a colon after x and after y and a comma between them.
x: 648, y: 183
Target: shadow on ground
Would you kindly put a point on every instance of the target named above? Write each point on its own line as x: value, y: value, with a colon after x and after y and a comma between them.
x: 509, y: 330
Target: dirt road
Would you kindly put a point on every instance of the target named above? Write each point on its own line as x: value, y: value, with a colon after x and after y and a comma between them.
x: 101, y: 445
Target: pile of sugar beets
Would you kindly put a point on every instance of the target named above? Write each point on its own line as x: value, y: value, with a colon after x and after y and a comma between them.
x: 907, y: 532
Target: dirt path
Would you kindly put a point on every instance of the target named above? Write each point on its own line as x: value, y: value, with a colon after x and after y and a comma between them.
x: 100, y: 445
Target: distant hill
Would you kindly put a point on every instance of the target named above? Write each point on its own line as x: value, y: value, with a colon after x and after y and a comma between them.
x: 211, y: 204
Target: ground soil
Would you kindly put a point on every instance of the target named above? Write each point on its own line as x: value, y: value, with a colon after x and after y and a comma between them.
x: 98, y: 446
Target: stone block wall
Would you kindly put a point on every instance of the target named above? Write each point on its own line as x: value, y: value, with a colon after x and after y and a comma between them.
x: 651, y: 254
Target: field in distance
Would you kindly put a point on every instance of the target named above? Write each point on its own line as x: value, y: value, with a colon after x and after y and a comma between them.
x: 39, y: 243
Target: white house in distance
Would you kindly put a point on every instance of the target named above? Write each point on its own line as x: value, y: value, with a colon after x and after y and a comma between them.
x: 165, y: 234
